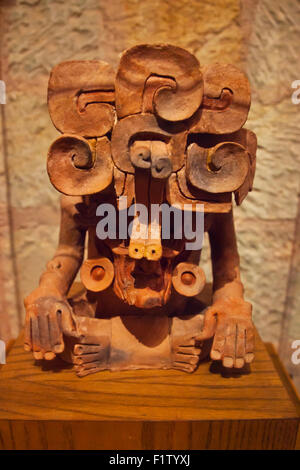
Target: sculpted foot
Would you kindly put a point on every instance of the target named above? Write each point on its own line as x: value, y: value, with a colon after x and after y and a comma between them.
x: 90, y: 348
x: 185, y: 354
x: 89, y: 359
x: 186, y: 350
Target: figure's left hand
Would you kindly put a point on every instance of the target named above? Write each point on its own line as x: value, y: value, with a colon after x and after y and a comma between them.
x: 229, y: 321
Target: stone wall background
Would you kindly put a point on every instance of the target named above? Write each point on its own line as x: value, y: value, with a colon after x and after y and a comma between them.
x: 260, y: 36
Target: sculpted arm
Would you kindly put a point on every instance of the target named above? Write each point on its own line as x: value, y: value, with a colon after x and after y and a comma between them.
x: 229, y: 317
x: 225, y: 258
x: 48, y: 313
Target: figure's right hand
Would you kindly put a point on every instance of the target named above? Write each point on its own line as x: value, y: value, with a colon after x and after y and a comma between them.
x: 47, y: 318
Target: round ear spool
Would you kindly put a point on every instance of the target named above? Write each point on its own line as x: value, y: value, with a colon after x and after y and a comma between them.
x: 97, y: 274
x: 81, y: 96
x: 188, y: 279
x: 219, y: 169
x: 226, y: 100
x: 163, y: 79
x: 77, y: 167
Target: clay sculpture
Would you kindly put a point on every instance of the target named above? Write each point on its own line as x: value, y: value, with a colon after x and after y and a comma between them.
x: 146, y: 154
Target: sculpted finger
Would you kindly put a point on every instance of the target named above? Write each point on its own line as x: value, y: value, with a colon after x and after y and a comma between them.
x: 186, y: 358
x: 66, y: 318
x: 44, y: 333
x: 35, y: 337
x: 186, y: 367
x: 86, y: 349
x: 217, y: 350
x: 82, y: 370
x: 240, y: 347
x: 91, y: 357
x: 56, y: 337
x: 209, y: 324
x: 229, y: 347
x: 87, y: 366
x: 28, y: 341
x: 249, y: 346
x: 27, y: 335
x: 189, y: 350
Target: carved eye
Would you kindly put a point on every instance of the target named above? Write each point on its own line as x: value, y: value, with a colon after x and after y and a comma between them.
x: 219, y: 169
x: 140, y: 156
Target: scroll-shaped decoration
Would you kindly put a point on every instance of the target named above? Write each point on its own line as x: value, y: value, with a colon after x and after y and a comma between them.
x: 79, y: 167
x: 250, y: 142
x: 188, y: 279
x: 184, y: 198
x: 97, y: 274
x: 220, y: 169
x: 81, y: 96
x: 145, y: 126
x: 226, y: 100
x: 193, y: 193
x: 178, y: 94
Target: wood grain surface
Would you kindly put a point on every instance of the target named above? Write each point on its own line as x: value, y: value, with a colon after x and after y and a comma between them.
x: 45, y: 406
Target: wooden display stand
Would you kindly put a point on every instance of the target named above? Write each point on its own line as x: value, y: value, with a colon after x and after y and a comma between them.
x: 45, y: 406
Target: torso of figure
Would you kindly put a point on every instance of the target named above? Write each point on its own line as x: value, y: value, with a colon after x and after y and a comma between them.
x: 140, y: 286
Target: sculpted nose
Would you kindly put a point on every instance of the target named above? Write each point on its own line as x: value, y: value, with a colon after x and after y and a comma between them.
x: 140, y: 157
x: 161, y: 167
x: 161, y: 164
x: 152, y: 155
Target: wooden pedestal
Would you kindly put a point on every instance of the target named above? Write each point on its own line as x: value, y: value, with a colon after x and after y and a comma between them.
x: 45, y: 406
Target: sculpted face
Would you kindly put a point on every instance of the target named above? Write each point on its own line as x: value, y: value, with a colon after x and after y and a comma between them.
x: 143, y: 268
x: 143, y: 283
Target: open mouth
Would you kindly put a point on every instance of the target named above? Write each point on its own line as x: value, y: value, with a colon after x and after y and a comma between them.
x: 152, y: 274
x: 143, y: 283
